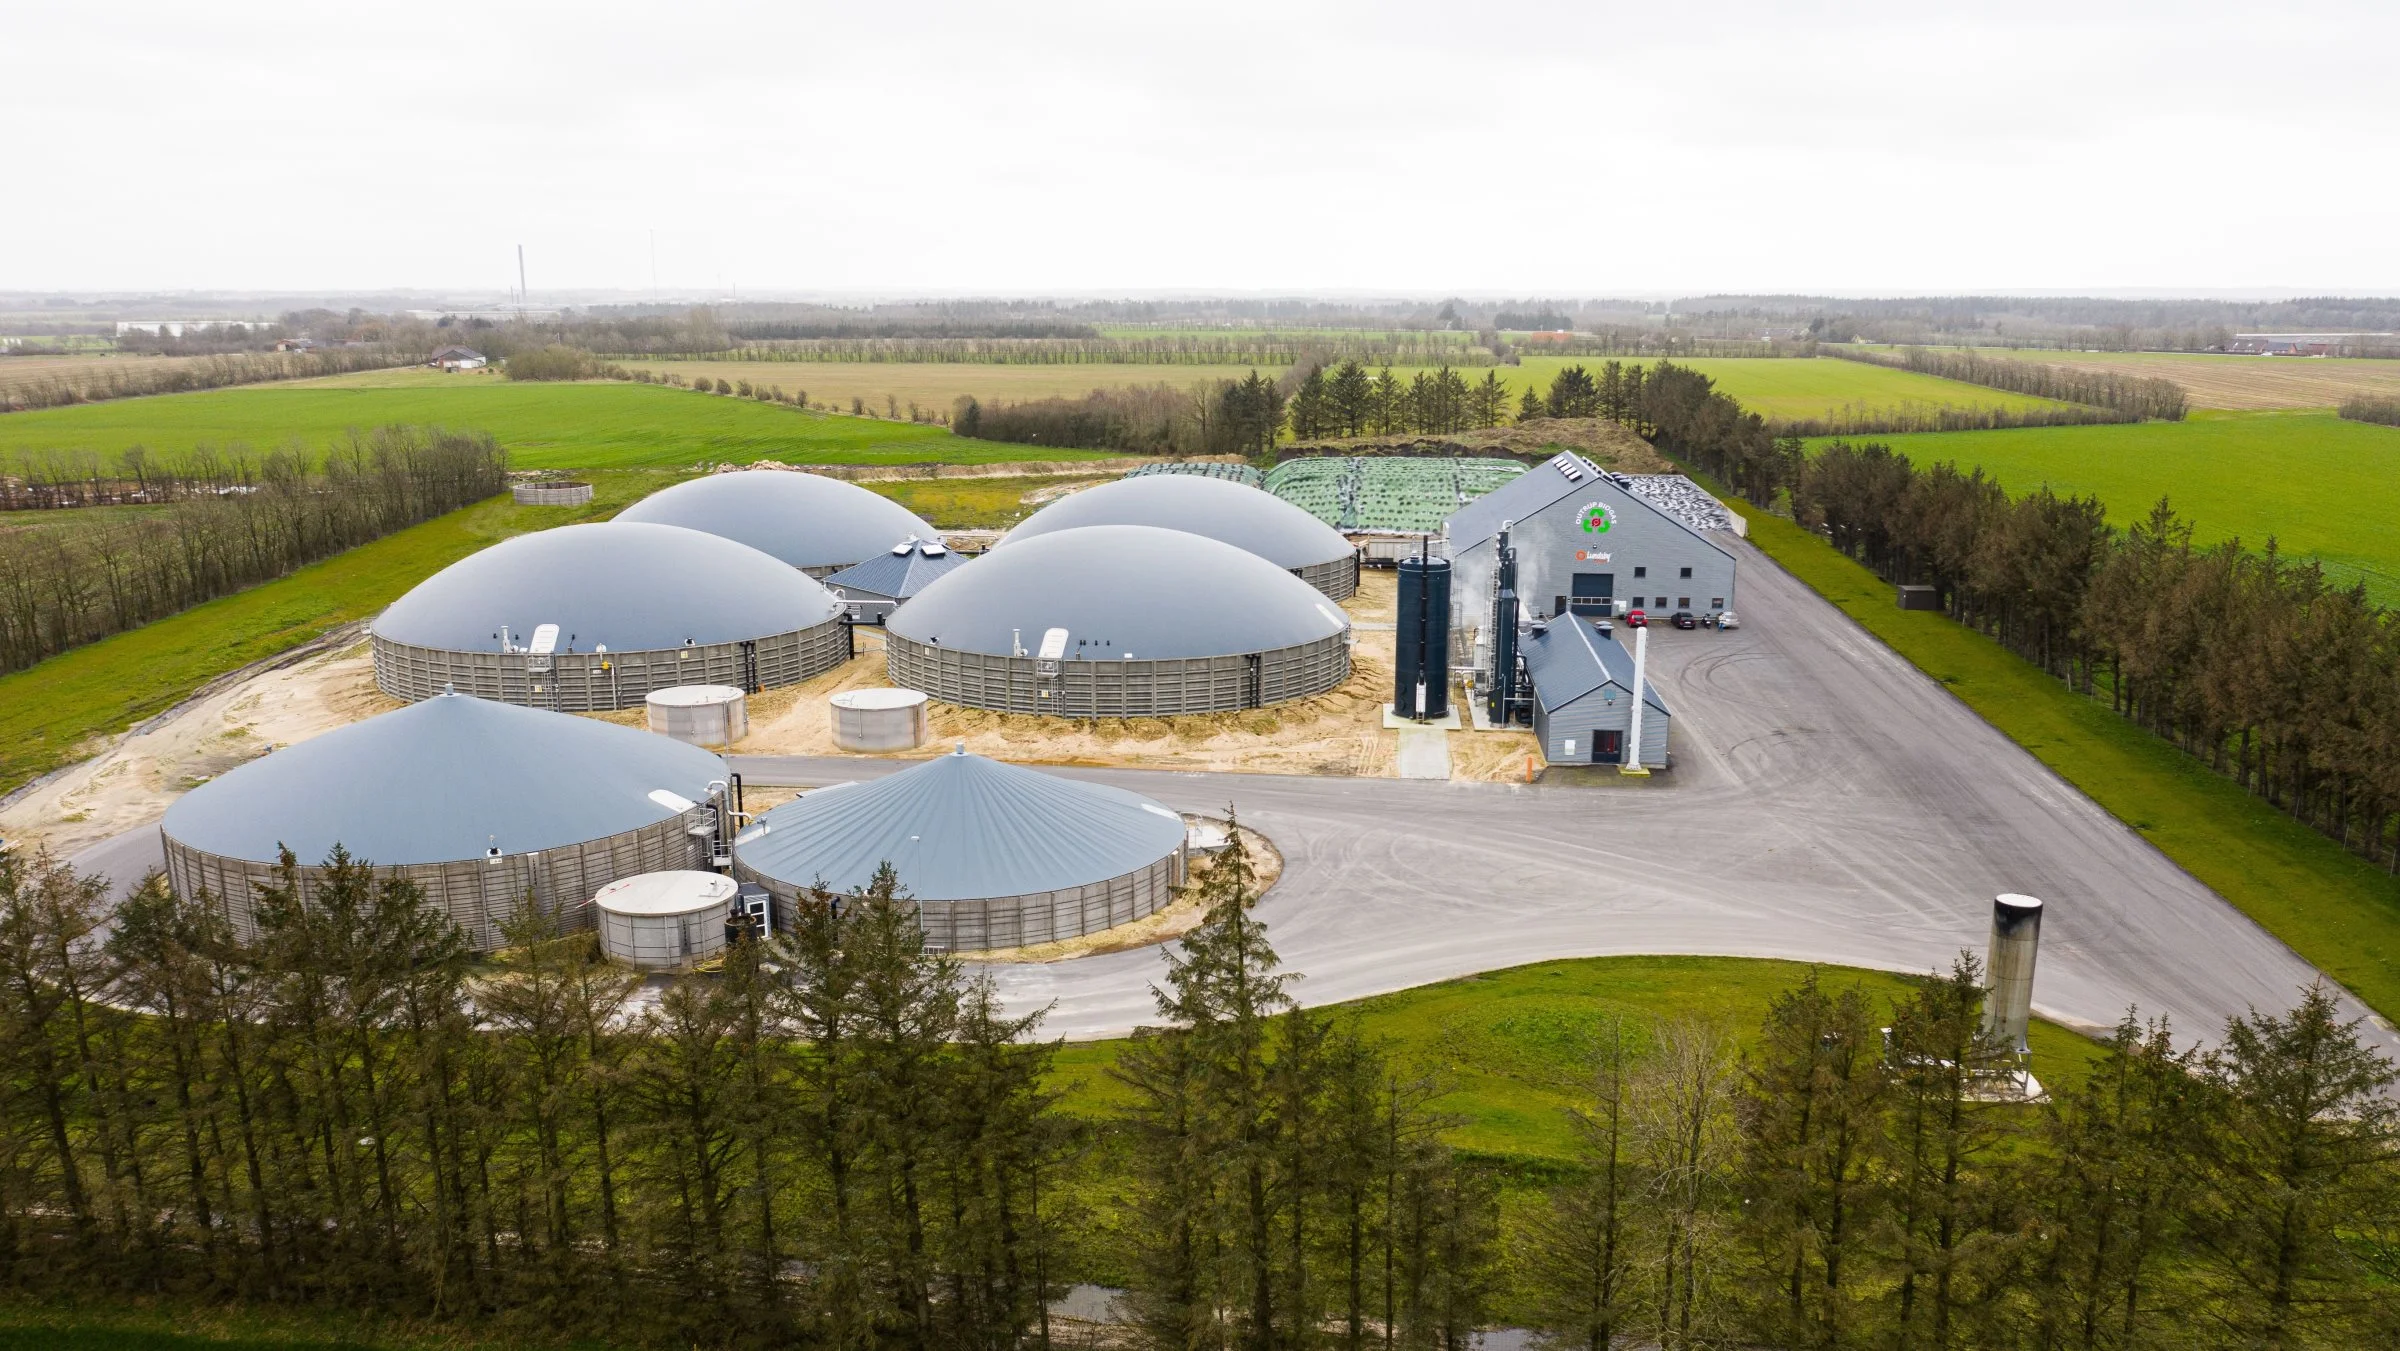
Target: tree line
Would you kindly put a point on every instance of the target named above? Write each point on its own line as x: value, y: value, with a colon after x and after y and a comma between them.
x: 2134, y: 398
x: 1250, y: 349
x: 838, y: 1139
x: 841, y: 1140
x: 2371, y: 408
x: 78, y: 577
x: 2258, y: 665
x: 92, y: 382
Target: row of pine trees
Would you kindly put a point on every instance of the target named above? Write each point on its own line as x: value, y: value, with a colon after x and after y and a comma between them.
x: 842, y: 1140
x: 2276, y: 675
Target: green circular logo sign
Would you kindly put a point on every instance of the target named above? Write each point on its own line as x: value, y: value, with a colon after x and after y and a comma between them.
x: 1597, y: 518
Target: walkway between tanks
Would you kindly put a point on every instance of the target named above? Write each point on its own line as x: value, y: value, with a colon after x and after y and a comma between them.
x: 1830, y: 803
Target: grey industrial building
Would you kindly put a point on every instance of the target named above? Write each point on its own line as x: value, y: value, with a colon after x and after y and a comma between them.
x: 992, y: 855
x: 1583, y: 695
x: 816, y: 524
x: 479, y: 803
x: 1119, y: 621
x: 589, y: 617
x: 874, y: 588
x: 1247, y: 518
x: 1586, y: 544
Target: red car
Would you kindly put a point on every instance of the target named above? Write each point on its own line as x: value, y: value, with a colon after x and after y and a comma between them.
x: 1635, y: 619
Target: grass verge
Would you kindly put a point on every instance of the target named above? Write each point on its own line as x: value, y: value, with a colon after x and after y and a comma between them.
x: 50, y: 712
x: 1507, y: 1045
x: 2337, y: 911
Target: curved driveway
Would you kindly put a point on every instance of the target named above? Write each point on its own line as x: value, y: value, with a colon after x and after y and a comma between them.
x: 1830, y: 803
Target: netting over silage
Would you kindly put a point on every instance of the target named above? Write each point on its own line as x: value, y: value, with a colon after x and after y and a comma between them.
x: 1387, y: 493
x: 1238, y: 473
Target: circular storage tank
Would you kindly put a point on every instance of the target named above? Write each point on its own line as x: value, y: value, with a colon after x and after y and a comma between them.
x: 879, y: 720
x: 1119, y: 621
x: 816, y: 524
x: 993, y: 855
x: 667, y: 921
x: 552, y: 494
x: 624, y: 608
x: 478, y: 803
x: 699, y: 715
x: 1247, y: 518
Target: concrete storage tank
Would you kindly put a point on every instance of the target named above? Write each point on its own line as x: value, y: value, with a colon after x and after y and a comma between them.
x: 589, y: 617
x: 700, y: 715
x: 816, y: 524
x: 1250, y: 519
x: 878, y: 720
x: 993, y: 855
x: 1119, y: 621
x: 479, y: 803
x: 666, y: 921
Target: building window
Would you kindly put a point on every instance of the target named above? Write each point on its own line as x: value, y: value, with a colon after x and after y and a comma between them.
x: 1683, y: 602
x: 1716, y: 602
x: 1662, y: 603
x: 1687, y: 572
x: 1641, y: 572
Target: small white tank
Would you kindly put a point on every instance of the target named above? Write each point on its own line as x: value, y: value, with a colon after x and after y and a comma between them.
x: 879, y: 720
x: 700, y: 715
x: 664, y: 921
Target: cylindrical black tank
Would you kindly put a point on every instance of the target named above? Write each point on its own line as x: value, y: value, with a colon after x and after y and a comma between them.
x: 1421, y: 675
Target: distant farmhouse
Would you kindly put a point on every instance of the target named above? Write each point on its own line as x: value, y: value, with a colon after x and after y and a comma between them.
x: 458, y: 359
x: 2305, y: 344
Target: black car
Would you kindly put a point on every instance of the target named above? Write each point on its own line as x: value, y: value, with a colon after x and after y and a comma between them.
x: 1682, y: 619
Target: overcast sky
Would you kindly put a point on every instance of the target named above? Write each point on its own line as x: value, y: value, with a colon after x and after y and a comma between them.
x: 1030, y: 147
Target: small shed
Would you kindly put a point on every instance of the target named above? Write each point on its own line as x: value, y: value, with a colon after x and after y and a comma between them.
x: 1920, y: 598
x: 1583, y: 695
x: 871, y: 589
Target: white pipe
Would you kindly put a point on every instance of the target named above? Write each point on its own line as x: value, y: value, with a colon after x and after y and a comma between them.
x: 1633, y: 737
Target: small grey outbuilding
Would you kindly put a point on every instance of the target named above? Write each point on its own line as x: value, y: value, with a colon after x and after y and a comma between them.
x: 992, y: 855
x: 874, y: 588
x: 1583, y: 695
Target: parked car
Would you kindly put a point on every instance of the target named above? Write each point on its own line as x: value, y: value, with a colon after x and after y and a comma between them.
x: 1683, y: 619
x: 1635, y: 619
x: 1727, y: 621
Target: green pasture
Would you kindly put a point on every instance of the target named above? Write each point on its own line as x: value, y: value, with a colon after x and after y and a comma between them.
x: 565, y: 426
x: 1803, y: 387
x: 1508, y: 1047
x: 2336, y: 910
x: 2322, y: 487
x: 49, y: 712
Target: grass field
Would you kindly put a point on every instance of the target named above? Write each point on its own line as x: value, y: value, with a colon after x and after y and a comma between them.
x: 973, y: 503
x: 2322, y: 486
x: 48, y: 712
x: 937, y: 384
x: 2240, y: 382
x: 2337, y: 911
x: 1508, y: 1045
x: 567, y: 426
x: 1810, y: 387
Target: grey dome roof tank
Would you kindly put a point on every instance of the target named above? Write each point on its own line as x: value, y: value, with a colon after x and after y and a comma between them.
x: 442, y: 780
x: 1120, y: 591
x: 631, y: 586
x: 1245, y: 517
x: 806, y: 520
x: 962, y: 828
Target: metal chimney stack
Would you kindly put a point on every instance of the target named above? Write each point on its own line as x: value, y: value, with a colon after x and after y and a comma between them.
x: 2016, y: 934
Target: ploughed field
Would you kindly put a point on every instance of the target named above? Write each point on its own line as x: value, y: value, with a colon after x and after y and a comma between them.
x: 2241, y: 382
x: 2323, y: 487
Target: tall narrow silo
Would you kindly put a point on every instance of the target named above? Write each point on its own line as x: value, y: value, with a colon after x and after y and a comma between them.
x: 1421, y: 640
x: 2016, y: 934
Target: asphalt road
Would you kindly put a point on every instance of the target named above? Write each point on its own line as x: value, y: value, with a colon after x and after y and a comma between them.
x: 1829, y: 803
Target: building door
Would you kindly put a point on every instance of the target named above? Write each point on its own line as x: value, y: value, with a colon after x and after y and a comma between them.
x: 1594, y: 592
x: 1608, y: 748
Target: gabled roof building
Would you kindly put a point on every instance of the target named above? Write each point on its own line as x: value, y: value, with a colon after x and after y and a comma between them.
x: 1583, y: 695
x: 871, y: 589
